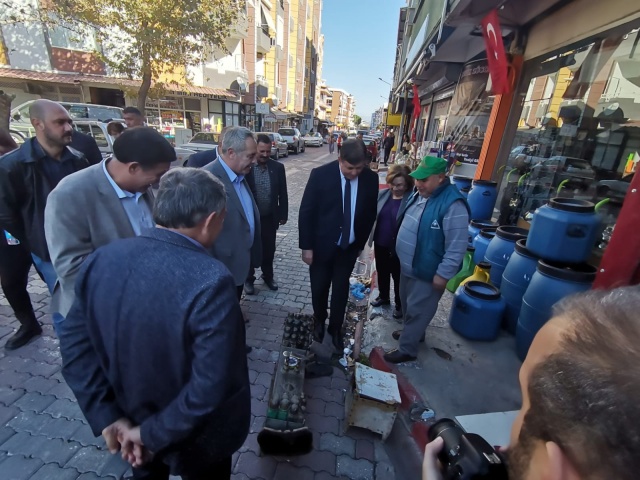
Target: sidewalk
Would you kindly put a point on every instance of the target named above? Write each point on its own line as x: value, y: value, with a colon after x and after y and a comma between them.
x: 43, y: 435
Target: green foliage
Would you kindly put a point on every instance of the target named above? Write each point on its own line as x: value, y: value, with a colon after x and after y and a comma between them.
x: 357, y: 120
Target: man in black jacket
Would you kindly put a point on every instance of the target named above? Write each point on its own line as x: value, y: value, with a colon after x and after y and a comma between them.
x: 268, y: 183
x: 27, y: 176
x: 153, y: 347
x: 87, y: 145
x: 337, y: 213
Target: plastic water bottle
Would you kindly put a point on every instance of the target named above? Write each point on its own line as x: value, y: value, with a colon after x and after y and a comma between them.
x: 11, y: 240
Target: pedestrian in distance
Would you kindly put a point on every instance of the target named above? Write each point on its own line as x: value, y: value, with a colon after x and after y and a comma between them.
x: 388, y: 144
x: 331, y: 143
x: 268, y: 183
x: 133, y: 117
x: 115, y: 129
x: 336, y: 215
x: 339, y: 141
x: 153, y: 345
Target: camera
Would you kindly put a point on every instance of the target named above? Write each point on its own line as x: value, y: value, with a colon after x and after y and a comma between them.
x: 466, y: 456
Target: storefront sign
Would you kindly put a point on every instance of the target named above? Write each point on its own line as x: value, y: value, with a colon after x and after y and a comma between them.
x: 199, y: 95
x: 262, y: 108
x: 496, y: 56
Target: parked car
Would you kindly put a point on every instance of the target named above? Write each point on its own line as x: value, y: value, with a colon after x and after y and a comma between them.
x: 77, y: 111
x: 279, y: 147
x: 202, y: 141
x: 294, y: 139
x: 313, y: 139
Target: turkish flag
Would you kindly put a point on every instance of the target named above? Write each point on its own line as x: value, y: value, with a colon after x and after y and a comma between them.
x: 496, y: 58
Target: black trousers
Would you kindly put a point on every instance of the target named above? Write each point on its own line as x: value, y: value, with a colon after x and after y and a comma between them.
x: 388, y: 265
x: 157, y: 470
x: 387, y: 153
x: 332, y: 274
x: 268, y: 230
x: 15, y: 263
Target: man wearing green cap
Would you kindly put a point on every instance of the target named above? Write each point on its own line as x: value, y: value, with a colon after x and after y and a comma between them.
x: 430, y: 245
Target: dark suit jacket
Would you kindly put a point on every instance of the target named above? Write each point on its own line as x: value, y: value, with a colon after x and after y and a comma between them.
x: 87, y: 145
x: 320, y: 218
x: 200, y: 159
x: 156, y: 335
x: 279, y: 195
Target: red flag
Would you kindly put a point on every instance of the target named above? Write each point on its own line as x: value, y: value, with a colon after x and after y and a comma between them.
x: 496, y: 58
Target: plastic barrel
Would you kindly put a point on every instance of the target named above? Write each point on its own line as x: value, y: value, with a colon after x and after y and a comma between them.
x: 482, y: 198
x: 551, y: 282
x: 461, y: 181
x: 500, y: 250
x: 481, y: 243
x: 477, y: 311
x: 476, y: 225
x: 564, y: 230
x: 515, y: 280
x: 465, y: 192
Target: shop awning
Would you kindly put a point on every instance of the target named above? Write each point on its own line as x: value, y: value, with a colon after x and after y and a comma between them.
x: 266, y: 16
x: 279, y: 114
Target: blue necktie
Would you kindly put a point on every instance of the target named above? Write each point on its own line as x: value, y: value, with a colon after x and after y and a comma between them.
x: 346, y: 216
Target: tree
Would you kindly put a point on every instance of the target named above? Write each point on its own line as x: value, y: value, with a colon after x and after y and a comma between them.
x: 140, y: 39
x: 357, y: 120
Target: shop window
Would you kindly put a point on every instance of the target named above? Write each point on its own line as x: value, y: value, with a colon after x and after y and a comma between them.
x: 192, y: 104
x: 577, y: 134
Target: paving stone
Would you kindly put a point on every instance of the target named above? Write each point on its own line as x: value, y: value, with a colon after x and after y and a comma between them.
x: 286, y: 471
x: 9, y: 395
x: 260, y: 366
x: 5, y: 434
x: 323, y: 424
x: 365, y: 450
x: 326, y: 476
x: 13, y: 379
x: 340, y: 445
x: 318, y: 461
x: 7, y: 413
x: 89, y: 459
x: 89, y: 476
x: 17, y: 467
x: 14, y: 363
x: 354, y: 469
x: 34, y: 402
x: 62, y: 390
x: 63, y: 408
x: 264, y: 379
x: 44, y: 369
x: 114, y: 467
x: 37, y: 446
x: 381, y: 453
x: 315, y: 405
x: 44, y: 424
x: 252, y: 376
x: 385, y: 471
x: 335, y: 410
x: 250, y: 444
x: 39, y: 384
x: 258, y: 391
x: 254, y: 466
x: 84, y: 436
x: 52, y: 471
x: 258, y: 408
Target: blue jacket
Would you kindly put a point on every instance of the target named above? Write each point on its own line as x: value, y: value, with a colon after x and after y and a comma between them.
x: 156, y: 335
x: 430, y: 248
x: 200, y: 159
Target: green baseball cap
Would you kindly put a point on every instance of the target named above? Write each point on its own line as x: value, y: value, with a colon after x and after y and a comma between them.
x: 429, y: 166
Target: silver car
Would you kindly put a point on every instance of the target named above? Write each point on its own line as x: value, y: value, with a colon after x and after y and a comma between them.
x: 279, y: 147
x: 293, y: 138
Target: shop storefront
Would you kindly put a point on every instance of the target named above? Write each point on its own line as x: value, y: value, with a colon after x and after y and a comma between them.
x: 170, y: 113
x: 222, y: 114
x: 576, y: 133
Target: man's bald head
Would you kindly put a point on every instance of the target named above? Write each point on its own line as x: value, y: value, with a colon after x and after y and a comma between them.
x: 53, y: 125
x: 41, y: 108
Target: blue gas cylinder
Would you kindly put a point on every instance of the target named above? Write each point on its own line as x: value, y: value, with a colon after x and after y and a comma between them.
x: 501, y: 248
x: 461, y: 181
x: 477, y: 311
x: 476, y: 225
x: 515, y: 280
x: 564, y: 230
x: 482, y: 198
x: 551, y: 282
x: 481, y: 242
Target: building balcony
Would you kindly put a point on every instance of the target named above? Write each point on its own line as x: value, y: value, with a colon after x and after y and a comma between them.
x: 262, y: 86
x: 240, y: 30
x: 263, y: 41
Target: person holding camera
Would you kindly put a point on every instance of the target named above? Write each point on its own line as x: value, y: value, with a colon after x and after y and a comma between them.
x: 580, y: 397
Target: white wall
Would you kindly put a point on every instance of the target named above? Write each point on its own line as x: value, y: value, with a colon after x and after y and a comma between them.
x: 26, y: 46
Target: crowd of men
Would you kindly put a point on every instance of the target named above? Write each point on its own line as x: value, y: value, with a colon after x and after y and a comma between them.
x: 146, y: 268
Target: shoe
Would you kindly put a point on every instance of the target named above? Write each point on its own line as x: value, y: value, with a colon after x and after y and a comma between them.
x: 378, y: 302
x: 249, y: 289
x: 397, y: 314
x: 248, y: 349
x: 29, y: 328
x: 337, y: 342
x: 271, y: 283
x: 396, y: 336
x: 396, y: 356
x: 318, y: 330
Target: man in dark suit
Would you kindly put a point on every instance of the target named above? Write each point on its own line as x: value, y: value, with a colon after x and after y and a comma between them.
x: 87, y: 145
x: 337, y: 213
x: 200, y: 159
x: 268, y: 183
x: 153, y: 345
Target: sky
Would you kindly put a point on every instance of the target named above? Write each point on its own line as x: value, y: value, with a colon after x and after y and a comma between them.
x: 359, y: 47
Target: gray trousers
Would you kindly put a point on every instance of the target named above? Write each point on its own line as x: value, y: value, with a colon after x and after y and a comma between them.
x: 419, y: 305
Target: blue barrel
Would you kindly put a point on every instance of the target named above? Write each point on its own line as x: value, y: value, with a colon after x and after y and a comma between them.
x: 501, y: 248
x: 482, y: 198
x: 476, y: 225
x: 481, y: 242
x: 551, y: 282
x: 465, y: 192
x: 564, y: 230
x: 461, y: 182
x: 477, y: 311
x: 515, y: 280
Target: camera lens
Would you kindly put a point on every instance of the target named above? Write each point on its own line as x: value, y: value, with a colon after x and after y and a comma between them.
x: 439, y: 428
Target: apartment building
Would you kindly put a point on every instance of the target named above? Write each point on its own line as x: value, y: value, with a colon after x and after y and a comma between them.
x: 340, y: 107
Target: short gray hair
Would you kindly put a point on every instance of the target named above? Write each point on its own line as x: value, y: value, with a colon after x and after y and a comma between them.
x: 186, y: 197
x: 236, y: 138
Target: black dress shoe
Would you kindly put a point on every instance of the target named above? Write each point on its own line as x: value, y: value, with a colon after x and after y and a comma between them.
x: 22, y: 336
x: 271, y: 283
x: 337, y: 342
x: 249, y: 289
x: 396, y: 336
x: 318, y: 330
x: 397, y: 314
x: 248, y: 349
x: 378, y: 302
x: 396, y: 356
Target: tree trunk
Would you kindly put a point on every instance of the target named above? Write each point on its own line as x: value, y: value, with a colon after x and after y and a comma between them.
x: 144, y: 88
x: 5, y: 109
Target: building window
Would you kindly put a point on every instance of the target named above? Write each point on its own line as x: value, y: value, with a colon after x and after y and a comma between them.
x: 78, y: 38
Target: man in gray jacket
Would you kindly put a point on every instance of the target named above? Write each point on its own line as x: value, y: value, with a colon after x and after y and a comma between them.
x: 430, y: 245
x: 103, y: 203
